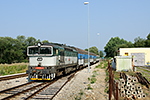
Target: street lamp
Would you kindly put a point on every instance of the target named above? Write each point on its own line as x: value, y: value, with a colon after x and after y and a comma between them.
x: 87, y: 3
x: 99, y: 51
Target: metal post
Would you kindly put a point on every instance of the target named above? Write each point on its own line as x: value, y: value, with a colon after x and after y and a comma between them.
x: 110, y: 81
x: 99, y: 57
x: 117, y: 97
x: 88, y: 40
x: 99, y: 50
x: 87, y: 3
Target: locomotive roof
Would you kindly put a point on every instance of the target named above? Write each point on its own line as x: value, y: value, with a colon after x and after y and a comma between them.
x: 83, y: 51
x: 71, y: 48
x: 60, y: 45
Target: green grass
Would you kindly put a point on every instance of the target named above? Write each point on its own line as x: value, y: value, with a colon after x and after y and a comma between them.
x: 93, y: 80
x: 99, y: 66
x: 93, y: 75
x: 89, y: 87
x: 143, y: 69
x: 147, y: 76
x: 105, y: 65
x: 106, y: 89
x: 89, y: 79
x: 95, y: 72
x: 12, y: 69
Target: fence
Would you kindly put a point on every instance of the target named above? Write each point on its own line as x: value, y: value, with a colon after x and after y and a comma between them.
x: 113, y: 87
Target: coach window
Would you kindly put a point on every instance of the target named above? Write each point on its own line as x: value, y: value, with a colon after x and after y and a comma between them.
x: 55, y: 51
x: 61, y: 52
x: 80, y: 56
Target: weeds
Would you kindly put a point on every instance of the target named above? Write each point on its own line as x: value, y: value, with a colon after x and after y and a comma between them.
x: 106, y: 89
x: 89, y: 87
x: 93, y: 80
x: 80, y: 94
x: 93, y: 75
x: 12, y: 69
x: 89, y: 79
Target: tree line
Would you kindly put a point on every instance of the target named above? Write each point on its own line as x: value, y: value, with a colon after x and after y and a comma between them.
x: 15, y: 50
x: 115, y: 43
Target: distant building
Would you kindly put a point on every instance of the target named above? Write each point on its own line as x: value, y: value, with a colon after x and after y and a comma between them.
x: 141, y: 56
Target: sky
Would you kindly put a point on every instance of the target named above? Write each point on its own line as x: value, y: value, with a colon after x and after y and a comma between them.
x: 66, y: 21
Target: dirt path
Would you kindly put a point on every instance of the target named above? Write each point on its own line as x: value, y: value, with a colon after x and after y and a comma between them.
x: 81, y: 88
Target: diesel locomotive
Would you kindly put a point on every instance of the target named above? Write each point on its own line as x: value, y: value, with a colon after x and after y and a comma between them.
x: 46, y: 61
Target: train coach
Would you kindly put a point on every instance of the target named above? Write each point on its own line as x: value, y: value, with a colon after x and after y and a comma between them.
x: 46, y: 61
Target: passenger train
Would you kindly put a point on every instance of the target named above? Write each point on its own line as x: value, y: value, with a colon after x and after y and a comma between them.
x: 46, y: 61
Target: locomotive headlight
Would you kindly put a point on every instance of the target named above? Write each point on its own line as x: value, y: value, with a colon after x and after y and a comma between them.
x: 39, y: 44
x: 46, y: 67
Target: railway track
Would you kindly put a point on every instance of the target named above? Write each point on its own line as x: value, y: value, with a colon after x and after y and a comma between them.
x: 35, y: 90
x: 145, y: 68
x: 8, y: 77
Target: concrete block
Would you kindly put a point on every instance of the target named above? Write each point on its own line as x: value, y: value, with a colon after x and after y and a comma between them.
x: 128, y: 83
x: 127, y: 88
x: 139, y: 96
x: 140, y: 91
x: 128, y: 92
x: 143, y: 95
x: 133, y: 88
x: 138, y: 87
x: 129, y: 96
x: 122, y: 81
x: 134, y: 92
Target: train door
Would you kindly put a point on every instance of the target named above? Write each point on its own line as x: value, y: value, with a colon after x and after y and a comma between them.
x: 61, y: 56
x: 83, y: 61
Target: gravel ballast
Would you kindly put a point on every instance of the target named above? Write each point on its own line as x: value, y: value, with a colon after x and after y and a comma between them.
x: 77, y: 88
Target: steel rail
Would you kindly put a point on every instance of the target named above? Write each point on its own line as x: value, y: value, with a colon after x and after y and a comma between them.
x: 8, y: 77
x: 40, y: 90
x: 11, y: 96
x: 63, y: 85
x: 3, y: 91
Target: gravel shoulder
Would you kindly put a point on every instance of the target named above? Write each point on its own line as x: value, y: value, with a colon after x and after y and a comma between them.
x: 13, y: 82
x: 77, y: 88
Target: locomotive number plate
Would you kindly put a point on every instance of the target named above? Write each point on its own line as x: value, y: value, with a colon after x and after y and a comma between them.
x: 39, y: 67
x: 39, y: 59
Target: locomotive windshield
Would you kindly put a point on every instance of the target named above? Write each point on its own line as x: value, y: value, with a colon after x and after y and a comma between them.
x: 41, y: 50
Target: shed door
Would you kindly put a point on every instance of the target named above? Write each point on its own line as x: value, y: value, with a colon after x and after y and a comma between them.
x: 138, y: 59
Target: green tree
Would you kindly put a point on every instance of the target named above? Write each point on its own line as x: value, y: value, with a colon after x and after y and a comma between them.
x: 30, y: 41
x: 147, y: 41
x: 112, y: 46
x: 86, y: 49
x: 94, y: 50
x: 45, y: 41
x: 139, y: 42
x: 38, y: 41
x: 101, y: 54
x: 127, y: 45
x: 22, y: 40
x: 10, y: 50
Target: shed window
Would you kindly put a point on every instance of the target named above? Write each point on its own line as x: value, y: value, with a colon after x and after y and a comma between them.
x: 126, y: 54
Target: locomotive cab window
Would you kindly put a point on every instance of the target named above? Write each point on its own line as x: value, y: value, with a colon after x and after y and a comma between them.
x: 34, y: 51
x: 45, y: 50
